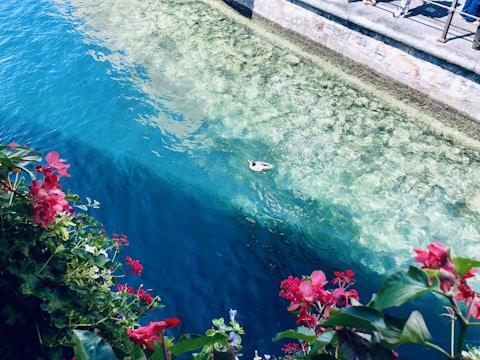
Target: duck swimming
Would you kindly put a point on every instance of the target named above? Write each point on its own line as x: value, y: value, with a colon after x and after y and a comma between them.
x: 259, y: 165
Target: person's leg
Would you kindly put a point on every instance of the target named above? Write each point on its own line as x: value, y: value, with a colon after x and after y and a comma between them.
x: 476, y: 39
x: 403, y: 8
x: 472, y: 9
x: 466, y: 6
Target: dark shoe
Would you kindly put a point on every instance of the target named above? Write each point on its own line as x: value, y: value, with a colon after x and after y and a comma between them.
x: 475, y: 47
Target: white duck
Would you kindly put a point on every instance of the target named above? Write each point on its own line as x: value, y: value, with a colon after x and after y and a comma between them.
x: 259, y: 165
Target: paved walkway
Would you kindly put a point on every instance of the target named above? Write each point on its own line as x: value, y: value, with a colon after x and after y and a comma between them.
x: 418, y: 31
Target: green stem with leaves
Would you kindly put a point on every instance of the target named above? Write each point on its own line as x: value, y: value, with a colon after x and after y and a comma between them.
x: 463, y: 323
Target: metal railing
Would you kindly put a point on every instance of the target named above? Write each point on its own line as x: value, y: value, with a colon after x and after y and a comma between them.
x: 452, y: 9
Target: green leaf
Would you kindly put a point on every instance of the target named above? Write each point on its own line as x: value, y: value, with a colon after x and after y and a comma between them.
x: 18, y: 153
x: 392, y: 331
x: 189, y: 343
x: 320, y: 344
x: 30, y: 284
x: 302, y: 336
x: 89, y: 346
x: 415, y: 330
x: 353, y: 345
x: 402, y: 287
x: 12, y: 156
x: 137, y: 353
x: 157, y: 352
x: 362, y: 317
x: 464, y: 265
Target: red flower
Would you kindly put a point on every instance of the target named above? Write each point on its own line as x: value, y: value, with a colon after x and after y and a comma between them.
x: 48, y: 199
x: 343, y: 298
x: 134, y: 266
x: 305, y: 318
x: 475, y: 309
x: 437, y: 257
x: 124, y: 287
x: 146, y: 335
x: 142, y: 337
x: 120, y: 240
x: 291, y: 349
x: 144, y: 296
x: 344, y: 278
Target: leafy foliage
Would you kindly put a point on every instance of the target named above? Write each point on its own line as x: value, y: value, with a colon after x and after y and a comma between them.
x: 356, y: 331
x: 58, y: 271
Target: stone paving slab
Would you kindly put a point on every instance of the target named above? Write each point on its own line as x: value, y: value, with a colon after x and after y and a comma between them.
x: 404, y: 49
x: 419, y: 30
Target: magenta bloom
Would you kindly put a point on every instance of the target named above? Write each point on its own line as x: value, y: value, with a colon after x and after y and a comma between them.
x: 134, y: 266
x: 343, y: 297
x: 47, y: 202
x: 53, y: 159
x: 435, y: 258
x: 146, y: 335
x: 475, y: 309
x: 48, y: 199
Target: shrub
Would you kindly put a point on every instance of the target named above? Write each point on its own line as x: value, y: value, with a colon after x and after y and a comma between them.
x: 58, y: 268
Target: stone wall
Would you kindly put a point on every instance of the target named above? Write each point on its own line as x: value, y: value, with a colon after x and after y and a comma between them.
x: 244, y: 7
x: 458, y: 92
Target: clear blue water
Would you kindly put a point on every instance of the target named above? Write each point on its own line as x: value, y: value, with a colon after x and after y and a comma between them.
x: 158, y: 105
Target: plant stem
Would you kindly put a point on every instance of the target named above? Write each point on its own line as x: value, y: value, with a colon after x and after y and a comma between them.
x: 463, y: 323
x: 45, y: 264
x: 439, y: 349
x: 452, y: 335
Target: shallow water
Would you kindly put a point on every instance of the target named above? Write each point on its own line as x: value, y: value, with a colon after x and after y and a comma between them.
x: 158, y: 105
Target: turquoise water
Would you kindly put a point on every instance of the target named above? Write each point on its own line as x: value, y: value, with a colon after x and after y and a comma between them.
x: 159, y: 104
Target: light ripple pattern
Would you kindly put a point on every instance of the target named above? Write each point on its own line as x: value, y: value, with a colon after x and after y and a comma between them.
x: 158, y: 105
x: 401, y: 184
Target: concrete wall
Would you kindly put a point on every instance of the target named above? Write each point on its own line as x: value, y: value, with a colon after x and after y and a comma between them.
x: 244, y: 7
x: 424, y: 76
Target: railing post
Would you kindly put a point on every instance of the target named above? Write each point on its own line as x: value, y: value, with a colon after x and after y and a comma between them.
x: 451, y: 12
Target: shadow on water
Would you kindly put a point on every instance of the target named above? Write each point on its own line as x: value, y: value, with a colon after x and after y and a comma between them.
x: 202, y: 252
x: 204, y: 257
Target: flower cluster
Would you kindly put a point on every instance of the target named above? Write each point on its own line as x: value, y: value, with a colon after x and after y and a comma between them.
x: 312, y: 302
x: 291, y: 350
x: 48, y: 198
x: 139, y: 294
x: 134, y: 266
x: 145, y: 336
x: 45, y: 242
x: 120, y: 240
x: 437, y: 262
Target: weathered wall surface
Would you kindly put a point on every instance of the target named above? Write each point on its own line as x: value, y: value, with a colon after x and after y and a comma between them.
x: 245, y: 7
x: 424, y: 76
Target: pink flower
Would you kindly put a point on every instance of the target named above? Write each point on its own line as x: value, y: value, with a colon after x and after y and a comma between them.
x: 465, y: 293
x: 343, y: 297
x: 306, y: 319
x: 437, y: 257
x: 47, y: 202
x: 319, y: 280
x: 146, y: 335
x: 475, y: 309
x: 53, y: 159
